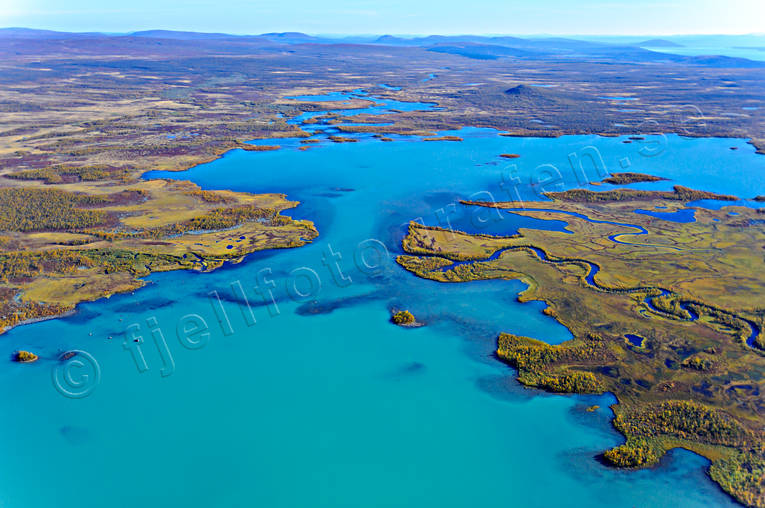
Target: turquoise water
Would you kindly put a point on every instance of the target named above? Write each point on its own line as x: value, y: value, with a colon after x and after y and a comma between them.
x: 323, y: 402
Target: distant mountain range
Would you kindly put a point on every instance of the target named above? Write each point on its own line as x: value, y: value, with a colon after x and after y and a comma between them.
x: 469, y: 46
x: 658, y: 43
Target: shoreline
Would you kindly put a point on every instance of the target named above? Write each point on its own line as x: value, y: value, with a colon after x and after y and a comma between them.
x: 653, y: 412
x: 226, y: 149
x: 31, y: 321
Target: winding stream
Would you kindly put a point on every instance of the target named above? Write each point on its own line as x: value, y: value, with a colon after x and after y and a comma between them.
x: 593, y: 269
x: 320, y: 401
x: 614, y: 238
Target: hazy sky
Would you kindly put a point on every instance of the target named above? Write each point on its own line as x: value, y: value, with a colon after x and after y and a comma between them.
x: 625, y: 17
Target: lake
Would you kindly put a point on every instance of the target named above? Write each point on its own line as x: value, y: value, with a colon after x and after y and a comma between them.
x: 297, y: 391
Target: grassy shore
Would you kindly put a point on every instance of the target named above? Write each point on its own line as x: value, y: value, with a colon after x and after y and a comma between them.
x: 691, y: 291
x: 100, y: 238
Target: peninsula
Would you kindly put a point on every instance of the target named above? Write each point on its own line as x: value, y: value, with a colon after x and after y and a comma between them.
x: 664, y: 301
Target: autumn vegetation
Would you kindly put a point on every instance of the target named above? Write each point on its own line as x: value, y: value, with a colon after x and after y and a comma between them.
x: 25, y: 357
x: 627, y: 178
x: 679, y: 193
x: 68, y: 174
x: 120, y: 130
x: 24, y: 209
x: 59, y: 247
x: 685, y: 288
x: 403, y: 318
x: 443, y: 138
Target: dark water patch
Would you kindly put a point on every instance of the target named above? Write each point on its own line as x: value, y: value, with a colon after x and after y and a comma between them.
x: 644, y: 383
x: 585, y: 462
x: 635, y: 340
x: 745, y: 389
x: 754, y: 331
x: 392, y: 223
x: 690, y: 311
x: 474, y: 330
x: 506, y: 388
x: 144, y: 305
x: 676, y: 470
x: 683, y: 351
x: 241, y: 271
x: 704, y: 389
x: 594, y: 412
x: 412, y: 368
x: 74, y: 435
x: 608, y: 370
x: 253, y: 300
x: 406, y: 370
x: 316, y: 307
x: 118, y: 336
x: 82, y: 315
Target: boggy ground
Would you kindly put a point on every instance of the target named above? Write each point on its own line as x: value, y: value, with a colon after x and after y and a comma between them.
x: 91, y: 113
x: 84, y: 116
x: 670, y: 321
x: 140, y: 103
x: 68, y: 243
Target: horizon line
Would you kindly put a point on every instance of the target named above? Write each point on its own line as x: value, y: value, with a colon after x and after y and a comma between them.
x: 391, y: 34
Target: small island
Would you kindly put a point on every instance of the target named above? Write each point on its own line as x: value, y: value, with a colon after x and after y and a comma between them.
x: 342, y: 139
x: 404, y: 318
x: 443, y: 138
x: 625, y: 178
x: 25, y: 357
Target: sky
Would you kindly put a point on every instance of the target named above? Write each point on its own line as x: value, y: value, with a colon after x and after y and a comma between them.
x: 564, y: 17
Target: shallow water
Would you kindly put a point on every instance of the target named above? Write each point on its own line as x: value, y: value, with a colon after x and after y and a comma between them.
x: 322, y: 402
x: 684, y: 215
